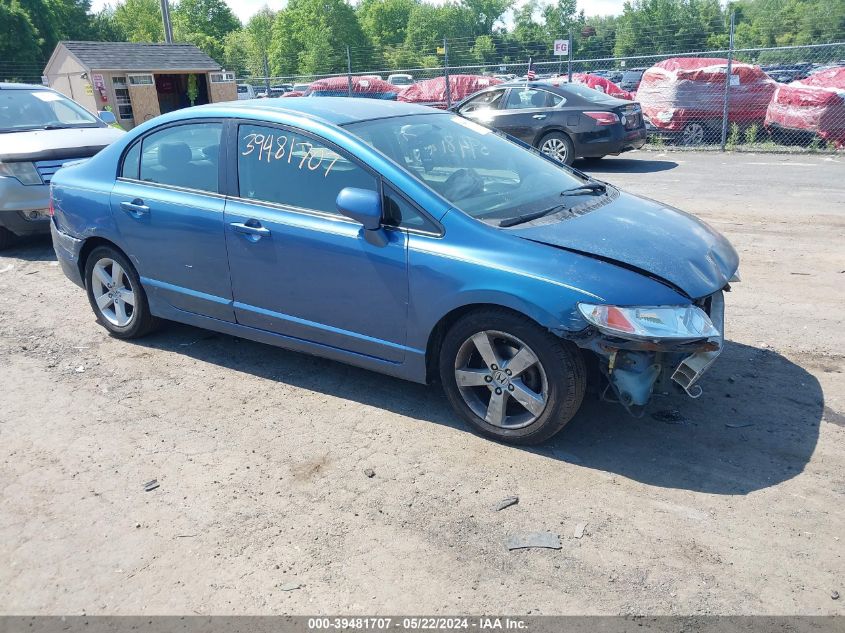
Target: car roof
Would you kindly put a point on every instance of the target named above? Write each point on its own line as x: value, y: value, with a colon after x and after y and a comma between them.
x: 331, y: 110
x: 15, y: 86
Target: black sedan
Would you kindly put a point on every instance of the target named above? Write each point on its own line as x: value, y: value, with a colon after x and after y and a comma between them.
x: 564, y: 121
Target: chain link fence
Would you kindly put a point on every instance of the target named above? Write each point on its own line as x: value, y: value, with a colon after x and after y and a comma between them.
x: 782, y: 98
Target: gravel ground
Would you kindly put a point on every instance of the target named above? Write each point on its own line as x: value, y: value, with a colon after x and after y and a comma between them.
x: 732, y: 505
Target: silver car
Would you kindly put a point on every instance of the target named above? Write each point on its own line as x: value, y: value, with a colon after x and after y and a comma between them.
x: 40, y: 131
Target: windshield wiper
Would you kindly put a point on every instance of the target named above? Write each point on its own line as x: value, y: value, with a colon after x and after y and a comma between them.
x: 527, y: 217
x: 593, y: 186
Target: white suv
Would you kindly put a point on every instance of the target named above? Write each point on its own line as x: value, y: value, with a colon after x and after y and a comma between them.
x: 40, y: 131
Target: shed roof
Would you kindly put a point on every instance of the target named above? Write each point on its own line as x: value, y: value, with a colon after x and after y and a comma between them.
x: 140, y: 56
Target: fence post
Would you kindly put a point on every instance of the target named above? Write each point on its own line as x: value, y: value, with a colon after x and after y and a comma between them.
x: 266, y: 74
x: 569, y: 61
x: 727, y: 84
x: 446, y: 73
x: 348, y: 73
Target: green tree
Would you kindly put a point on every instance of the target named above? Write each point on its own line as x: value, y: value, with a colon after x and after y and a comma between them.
x: 140, y: 20
x: 104, y: 26
x: 204, y: 23
x: 310, y: 37
x: 528, y: 37
x: 385, y: 21
x: 486, y: 13
x: 667, y: 26
x: 236, y: 54
x: 245, y: 50
x: 20, y: 45
x: 429, y: 24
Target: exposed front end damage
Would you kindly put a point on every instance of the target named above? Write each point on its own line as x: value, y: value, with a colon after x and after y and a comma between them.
x: 636, y: 369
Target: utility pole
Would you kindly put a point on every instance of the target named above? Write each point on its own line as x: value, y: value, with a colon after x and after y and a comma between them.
x: 348, y: 72
x: 165, y: 18
x: 569, y: 62
x: 266, y: 72
x: 446, y: 73
x: 728, y: 85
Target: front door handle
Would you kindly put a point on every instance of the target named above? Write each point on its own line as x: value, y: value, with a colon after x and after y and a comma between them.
x: 136, y: 208
x: 250, y: 229
x: 539, y: 117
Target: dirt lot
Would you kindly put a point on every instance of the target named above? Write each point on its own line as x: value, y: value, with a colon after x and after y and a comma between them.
x: 737, y: 508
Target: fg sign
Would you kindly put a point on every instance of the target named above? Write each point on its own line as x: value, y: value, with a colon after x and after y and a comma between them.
x: 561, y: 47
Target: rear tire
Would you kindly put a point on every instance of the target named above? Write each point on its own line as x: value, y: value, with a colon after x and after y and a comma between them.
x: 558, y: 146
x: 6, y: 238
x: 115, y: 294
x: 518, y: 382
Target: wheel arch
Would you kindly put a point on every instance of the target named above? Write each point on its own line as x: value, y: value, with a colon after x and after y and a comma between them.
x: 88, y: 246
x: 435, y: 337
x: 551, y: 130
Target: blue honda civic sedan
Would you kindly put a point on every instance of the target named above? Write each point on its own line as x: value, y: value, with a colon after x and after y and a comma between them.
x: 402, y: 239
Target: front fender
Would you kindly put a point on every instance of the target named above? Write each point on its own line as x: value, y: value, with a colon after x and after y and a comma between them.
x: 479, y: 264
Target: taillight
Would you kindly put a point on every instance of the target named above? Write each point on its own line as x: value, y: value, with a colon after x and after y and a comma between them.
x: 603, y: 118
x: 50, y: 210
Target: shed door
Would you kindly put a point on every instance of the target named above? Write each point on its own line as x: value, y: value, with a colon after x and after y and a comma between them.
x: 144, y: 97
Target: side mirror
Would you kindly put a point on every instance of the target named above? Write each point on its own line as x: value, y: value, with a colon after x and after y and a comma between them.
x: 363, y: 206
x: 107, y: 117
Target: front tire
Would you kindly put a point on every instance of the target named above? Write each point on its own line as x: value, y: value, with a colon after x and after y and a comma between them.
x: 558, y: 146
x: 6, y: 238
x: 115, y: 294
x: 509, y: 378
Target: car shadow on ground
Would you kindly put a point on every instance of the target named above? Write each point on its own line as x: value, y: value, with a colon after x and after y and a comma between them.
x: 31, y: 248
x: 756, y: 425
x: 616, y: 165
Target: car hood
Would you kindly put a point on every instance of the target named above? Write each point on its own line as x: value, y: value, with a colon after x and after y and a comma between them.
x: 57, y: 144
x: 648, y: 237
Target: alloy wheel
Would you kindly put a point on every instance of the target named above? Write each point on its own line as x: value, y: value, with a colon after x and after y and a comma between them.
x: 555, y: 148
x: 113, y: 292
x: 501, y: 379
x: 693, y: 134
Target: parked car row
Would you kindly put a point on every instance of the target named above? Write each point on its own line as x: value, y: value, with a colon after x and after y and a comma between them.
x: 683, y: 100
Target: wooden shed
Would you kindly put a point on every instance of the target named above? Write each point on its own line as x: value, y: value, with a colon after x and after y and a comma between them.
x: 137, y: 81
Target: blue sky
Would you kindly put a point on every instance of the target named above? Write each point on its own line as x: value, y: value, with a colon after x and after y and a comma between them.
x: 245, y: 8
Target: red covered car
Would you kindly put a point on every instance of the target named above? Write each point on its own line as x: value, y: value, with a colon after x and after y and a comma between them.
x: 815, y: 105
x: 370, y: 87
x: 602, y: 84
x: 682, y: 97
x: 432, y: 92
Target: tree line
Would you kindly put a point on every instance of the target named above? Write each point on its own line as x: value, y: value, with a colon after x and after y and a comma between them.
x: 311, y: 36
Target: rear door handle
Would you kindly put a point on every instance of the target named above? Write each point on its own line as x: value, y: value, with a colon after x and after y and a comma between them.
x: 250, y: 229
x: 136, y: 208
x: 539, y: 116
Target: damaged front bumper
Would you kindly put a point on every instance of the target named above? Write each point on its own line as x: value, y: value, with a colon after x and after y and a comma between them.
x: 636, y: 369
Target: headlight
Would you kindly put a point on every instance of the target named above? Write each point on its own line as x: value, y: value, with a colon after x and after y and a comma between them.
x: 24, y: 172
x: 665, y: 116
x: 650, y: 322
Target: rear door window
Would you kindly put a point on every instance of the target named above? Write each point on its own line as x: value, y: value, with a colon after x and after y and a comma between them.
x: 183, y: 156
x: 524, y: 98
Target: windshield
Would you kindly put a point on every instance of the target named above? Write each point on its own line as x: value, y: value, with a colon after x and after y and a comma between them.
x: 22, y: 110
x: 478, y: 171
x: 399, y: 80
x: 632, y: 75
